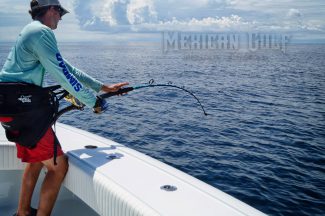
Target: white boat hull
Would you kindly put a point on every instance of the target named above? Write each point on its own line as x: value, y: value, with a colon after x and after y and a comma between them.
x: 113, y: 180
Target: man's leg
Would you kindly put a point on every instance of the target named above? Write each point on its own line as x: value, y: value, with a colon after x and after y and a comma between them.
x: 51, y: 184
x: 29, y: 181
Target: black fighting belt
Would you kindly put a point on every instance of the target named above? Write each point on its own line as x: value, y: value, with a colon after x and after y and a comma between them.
x: 33, y: 109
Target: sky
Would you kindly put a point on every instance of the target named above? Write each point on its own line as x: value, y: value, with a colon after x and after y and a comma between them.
x: 142, y: 20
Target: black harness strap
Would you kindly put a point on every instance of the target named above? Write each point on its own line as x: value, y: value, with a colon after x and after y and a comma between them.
x: 56, y: 144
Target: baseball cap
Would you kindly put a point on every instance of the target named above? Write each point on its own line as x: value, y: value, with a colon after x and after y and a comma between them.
x: 43, y: 3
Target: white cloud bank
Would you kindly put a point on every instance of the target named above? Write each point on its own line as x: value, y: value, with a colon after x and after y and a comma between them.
x: 182, y: 15
x: 97, y: 18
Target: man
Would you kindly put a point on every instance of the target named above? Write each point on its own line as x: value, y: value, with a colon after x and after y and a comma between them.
x: 35, y: 53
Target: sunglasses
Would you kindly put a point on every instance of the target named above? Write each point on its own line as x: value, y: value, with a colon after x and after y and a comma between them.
x: 59, y: 9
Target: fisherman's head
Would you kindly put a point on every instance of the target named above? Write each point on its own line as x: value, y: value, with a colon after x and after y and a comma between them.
x: 41, y: 9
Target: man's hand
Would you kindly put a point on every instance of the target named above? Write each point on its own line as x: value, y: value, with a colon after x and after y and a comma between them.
x: 113, y: 87
x: 101, y: 105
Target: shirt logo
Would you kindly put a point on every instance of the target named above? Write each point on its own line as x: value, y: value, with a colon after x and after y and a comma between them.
x: 25, y: 98
x: 72, y: 80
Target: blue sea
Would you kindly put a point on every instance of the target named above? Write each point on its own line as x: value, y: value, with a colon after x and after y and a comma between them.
x: 263, y: 141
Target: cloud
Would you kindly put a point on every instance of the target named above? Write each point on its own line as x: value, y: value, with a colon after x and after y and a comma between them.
x: 231, y: 23
x: 141, y: 11
x: 192, y: 15
x: 99, y: 17
x: 114, y: 12
x: 114, y: 15
x: 294, y: 13
x: 141, y: 15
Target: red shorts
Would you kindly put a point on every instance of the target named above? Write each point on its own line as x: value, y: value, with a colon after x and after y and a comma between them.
x: 44, y: 149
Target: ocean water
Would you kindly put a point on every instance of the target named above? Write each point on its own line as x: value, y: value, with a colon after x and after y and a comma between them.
x: 263, y: 141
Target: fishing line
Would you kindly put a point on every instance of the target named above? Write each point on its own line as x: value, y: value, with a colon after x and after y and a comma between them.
x: 151, y: 84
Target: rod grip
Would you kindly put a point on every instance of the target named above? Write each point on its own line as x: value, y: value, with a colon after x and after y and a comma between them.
x: 120, y: 91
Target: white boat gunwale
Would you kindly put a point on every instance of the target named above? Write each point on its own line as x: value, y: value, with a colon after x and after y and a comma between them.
x: 91, y: 170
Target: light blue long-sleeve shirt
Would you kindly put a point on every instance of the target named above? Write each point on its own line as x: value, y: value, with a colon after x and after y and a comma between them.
x: 35, y: 53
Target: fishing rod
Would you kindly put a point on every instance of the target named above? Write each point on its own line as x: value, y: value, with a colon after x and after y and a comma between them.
x: 77, y: 105
x: 151, y: 84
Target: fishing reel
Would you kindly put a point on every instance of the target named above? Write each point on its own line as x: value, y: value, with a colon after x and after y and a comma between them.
x: 74, y: 101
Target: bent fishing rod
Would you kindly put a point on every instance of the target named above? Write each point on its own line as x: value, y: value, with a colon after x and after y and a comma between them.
x: 151, y: 84
x: 77, y: 105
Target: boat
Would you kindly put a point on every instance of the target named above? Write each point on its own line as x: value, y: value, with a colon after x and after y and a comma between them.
x: 108, y: 179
